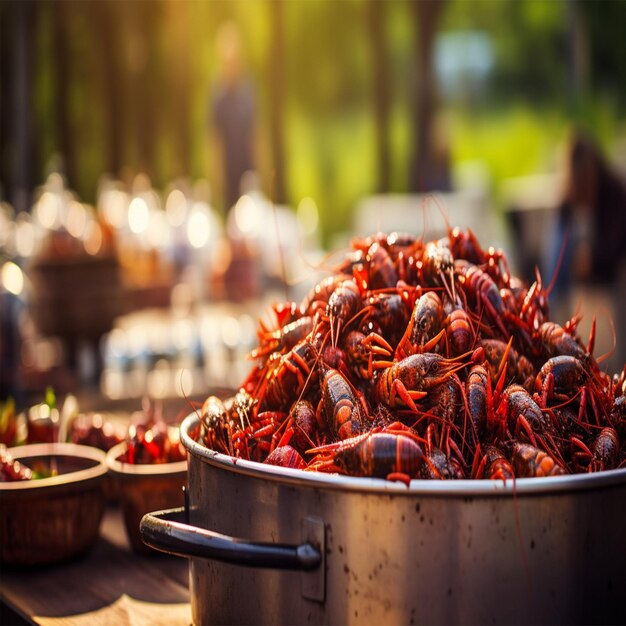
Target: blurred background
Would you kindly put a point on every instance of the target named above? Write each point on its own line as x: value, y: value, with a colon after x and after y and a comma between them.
x: 168, y: 168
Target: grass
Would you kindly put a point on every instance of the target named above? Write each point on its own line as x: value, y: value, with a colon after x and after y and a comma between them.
x: 333, y: 160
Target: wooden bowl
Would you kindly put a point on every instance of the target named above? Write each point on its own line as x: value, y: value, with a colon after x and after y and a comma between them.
x: 143, y: 488
x: 54, y: 519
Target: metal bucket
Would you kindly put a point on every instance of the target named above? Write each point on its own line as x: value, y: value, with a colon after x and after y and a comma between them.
x: 279, y: 546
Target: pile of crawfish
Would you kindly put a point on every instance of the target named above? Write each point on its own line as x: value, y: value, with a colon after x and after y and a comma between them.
x: 418, y: 359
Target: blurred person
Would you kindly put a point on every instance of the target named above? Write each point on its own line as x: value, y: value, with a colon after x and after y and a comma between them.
x: 232, y: 115
x: 592, y: 216
x: 590, y: 234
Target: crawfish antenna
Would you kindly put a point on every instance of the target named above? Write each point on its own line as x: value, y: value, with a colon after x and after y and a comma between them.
x: 185, y: 396
x: 444, y: 216
x: 559, y: 261
x: 425, y: 213
x: 503, y: 366
x: 281, y: 253
x: 592, y: 335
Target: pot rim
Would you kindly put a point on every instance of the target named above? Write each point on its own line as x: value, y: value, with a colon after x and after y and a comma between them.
x: 75, y: 450
x: 140, y: 469
x: 466, y: 488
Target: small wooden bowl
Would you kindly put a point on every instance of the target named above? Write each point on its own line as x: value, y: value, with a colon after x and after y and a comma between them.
x: 143, y: 488
x: 49, y: 520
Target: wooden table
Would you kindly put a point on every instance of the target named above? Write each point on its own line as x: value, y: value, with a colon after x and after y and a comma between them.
x: 109, y: 585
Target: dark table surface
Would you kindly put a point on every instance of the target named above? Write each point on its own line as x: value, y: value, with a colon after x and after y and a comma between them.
x: 109, y: 585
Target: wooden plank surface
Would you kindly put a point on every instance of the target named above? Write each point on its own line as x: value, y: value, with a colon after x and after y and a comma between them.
x: 109, y: 585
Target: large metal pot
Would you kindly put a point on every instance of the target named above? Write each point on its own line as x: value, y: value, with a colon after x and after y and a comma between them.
x: 543, y: 550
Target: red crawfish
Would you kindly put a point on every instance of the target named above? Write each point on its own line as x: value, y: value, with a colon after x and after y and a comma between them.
x: 464, y: 245
x: 11, y: 469
x: 401, y: 384
x: 535, y: 309
x: 398, y: 241
x: 446, y: 401
x: 478, y: 394
x: 441, y: 467
x: 617, y: 415
x: 446, y: 406
x: 287, y: 377
x: 606, y: 450
x: 284, y: 312
x: 342, y: 409
x: 529, y: 462
x: 334, y: 356
x: 243, y: 407
x: 444, y: 460
x: 215, y: 422
x: 147, y: 440
x: 518, y: 410
x: 460, y: 334
x: 555, y: 341
x: 343, y: 305
x: 363, y: 244
x: 511, y: 304
x: 409, y: 267
x: 282, y: 339
x: 437, y: 265
x: 562, y: 378
x: 381, y: 271
x: 388, y: 314
x: 564, y: 422
x: 491, y: 463
x: 268, y: 431
x: 603, y: 455
x: 260, y: 433
x: 317, y: 297
x: 285, y: 456
x: 304, y: 424
x: 518, y: 368
x: 480, y: 290
x: 519, y: 289
x: 619, y: 382
x: 404, y: 249
x: 492, y: 411
x: 425, y: 326
x: 391, y: 455
x: 360, y: 351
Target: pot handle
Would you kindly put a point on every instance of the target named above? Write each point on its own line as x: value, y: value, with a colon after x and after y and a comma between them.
x: 164, y: 531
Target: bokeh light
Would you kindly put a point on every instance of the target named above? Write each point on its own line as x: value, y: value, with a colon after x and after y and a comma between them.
x: 138, y: 216
x: 12, y: 278
x: 176, y: 207
x: 198, y: 229
x: 308, y: 216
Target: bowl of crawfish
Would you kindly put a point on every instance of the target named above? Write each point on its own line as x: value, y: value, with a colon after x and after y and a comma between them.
x: 102, y: 431
x: 149, y: 474
x: 51, y: 502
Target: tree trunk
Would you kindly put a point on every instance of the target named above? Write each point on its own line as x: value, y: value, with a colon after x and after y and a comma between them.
x: 277, y: 101
x: 381, y: 96
x: 179, y: 85
x: 22, y: 165
x: 577, y: 56
x: 108, y: 40
x: 7, y: 69
x: 144, y: 94
x: 425, y: 169
x: 64, y: 135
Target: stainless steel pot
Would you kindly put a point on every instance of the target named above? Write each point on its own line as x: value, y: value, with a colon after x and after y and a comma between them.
x: 367, y: 551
